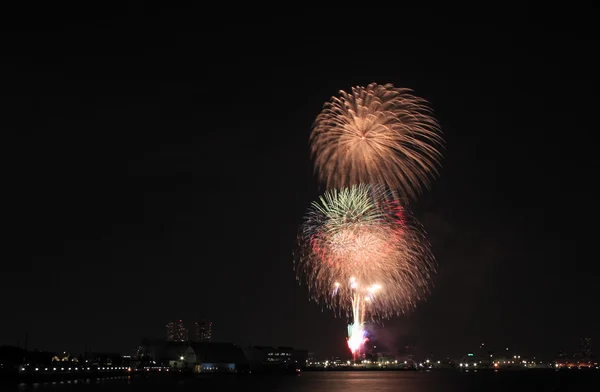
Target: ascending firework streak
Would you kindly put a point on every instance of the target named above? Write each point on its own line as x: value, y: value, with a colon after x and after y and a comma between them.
x: 376, y: 134
x: 363, y: 255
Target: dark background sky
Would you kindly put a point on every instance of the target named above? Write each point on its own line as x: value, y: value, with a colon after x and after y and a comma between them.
x: 162, y: 169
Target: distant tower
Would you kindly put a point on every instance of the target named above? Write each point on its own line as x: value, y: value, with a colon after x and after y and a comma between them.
x: 586, y: 347
x: 203, y: 332
x: 176, y: 332
x: 170, y: 331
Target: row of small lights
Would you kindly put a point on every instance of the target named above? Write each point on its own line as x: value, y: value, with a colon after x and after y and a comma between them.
x: 569, y: 367
x: 102, y: 368
x: 159, y: 369
x: 81, y: 381
x: 326, y: 363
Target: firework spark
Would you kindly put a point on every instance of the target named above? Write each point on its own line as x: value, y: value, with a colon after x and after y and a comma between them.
x: 356, y: 337
x: 376, y: 134
x: 363, y: 255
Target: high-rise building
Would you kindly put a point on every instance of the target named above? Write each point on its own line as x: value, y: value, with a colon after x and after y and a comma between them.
x: 586, y: 347
x: 177, y: 332
x: 203, y: 331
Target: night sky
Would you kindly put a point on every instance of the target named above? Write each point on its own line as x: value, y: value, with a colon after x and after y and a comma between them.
x: 161, y: 167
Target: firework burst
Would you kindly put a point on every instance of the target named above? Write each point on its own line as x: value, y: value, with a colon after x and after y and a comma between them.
x: 363, y: 255
x: 376, y: 134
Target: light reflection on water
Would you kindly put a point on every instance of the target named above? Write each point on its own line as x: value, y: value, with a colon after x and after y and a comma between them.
x: 363, y: 381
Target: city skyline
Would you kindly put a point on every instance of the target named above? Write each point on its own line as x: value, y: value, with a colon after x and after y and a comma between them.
x: 177, y: 332
x: 162, y: 165
x: 200, y: 331
x: 203, y: 331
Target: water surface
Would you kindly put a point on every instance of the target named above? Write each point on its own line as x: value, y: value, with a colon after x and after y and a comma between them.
x: 385, y: 381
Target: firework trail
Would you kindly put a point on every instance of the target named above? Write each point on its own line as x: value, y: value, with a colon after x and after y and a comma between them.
x: 363, y: 255
x: 379, y: 135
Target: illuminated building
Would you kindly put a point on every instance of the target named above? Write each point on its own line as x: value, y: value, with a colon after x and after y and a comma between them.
x: 203, y: 332
x: 202, y: 357
x: 176, y: 332
x: 266, y: 358
x: 586, y: 347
